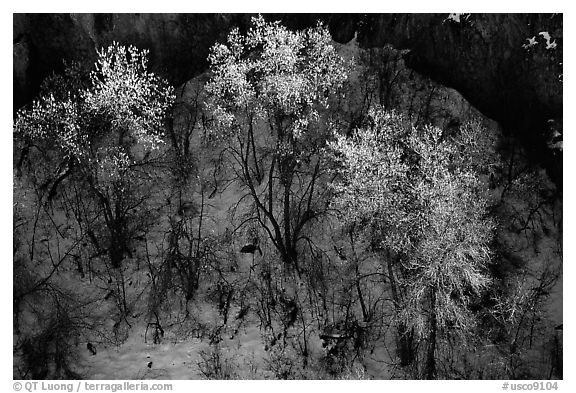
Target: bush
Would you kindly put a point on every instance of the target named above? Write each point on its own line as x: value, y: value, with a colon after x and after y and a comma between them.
x: 215, y: 365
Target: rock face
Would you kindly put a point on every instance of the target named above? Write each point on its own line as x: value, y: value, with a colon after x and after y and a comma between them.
x: 482, y: 56
x: 509, y: 66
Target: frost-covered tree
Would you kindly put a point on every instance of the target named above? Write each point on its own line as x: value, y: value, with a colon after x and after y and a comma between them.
x: 101, y: 131
x: 424, y: 203
x: 268, y: 94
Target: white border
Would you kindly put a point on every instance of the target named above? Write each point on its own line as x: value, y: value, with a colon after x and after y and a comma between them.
x: 303, y: 6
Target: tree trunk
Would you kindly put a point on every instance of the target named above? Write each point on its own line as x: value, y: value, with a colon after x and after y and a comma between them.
x: 430, y: 371
x: 116, y: 253
x: 406, y: 345
x: 405, y: 338
x: 291, y: 255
